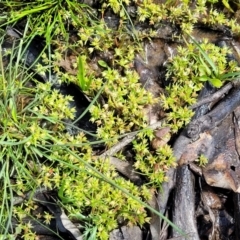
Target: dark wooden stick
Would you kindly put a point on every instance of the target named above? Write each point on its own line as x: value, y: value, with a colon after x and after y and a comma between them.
x: 216, y: 116
x: 184, y: 205
x: 213, y: 97
x: 236, y: 200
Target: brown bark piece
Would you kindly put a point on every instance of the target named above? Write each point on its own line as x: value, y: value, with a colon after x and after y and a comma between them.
x: 213, y: 97
x: 223, y: 168
x: 236, y: 121
x: 236, y: 200
x: 216, y: 116
x: 184, y: 205
x: 210, y: 198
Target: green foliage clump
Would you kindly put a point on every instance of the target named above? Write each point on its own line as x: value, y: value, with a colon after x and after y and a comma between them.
x: 24, y: 139
x: 193, y: 65
x: 186, y: 13
x: 49, y: 18
x: 202, y: 161
x: 117, y: 6
x: 123, y: 110
x: 34, y: 138
x: 215, y: 17
x: 84, y: 193
x: 153, y: 166
x: 176, y: 12
x: 105, y: 203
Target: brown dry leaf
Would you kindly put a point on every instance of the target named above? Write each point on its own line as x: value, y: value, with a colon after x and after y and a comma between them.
x: 162, y: 136
x: 210, y: 198
x: 195, y: 149
x: 223, y: 169
x: 67, y: 64
x: 220, y: 174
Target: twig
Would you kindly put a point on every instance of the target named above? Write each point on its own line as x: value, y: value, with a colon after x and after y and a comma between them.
x: 120, y: 145
x: 213, y: 97
x: 216, y: 116
x: 125, y: 168
x: 184, y: 204
x: 125, y: 141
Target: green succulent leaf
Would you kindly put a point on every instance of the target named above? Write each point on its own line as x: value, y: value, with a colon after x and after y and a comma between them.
x: 216, y: 82
x: 103, y: 64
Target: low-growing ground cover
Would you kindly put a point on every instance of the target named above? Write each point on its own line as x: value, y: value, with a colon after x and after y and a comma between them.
x: 92, y: 45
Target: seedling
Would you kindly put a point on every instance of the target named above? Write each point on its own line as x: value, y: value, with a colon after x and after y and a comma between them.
x: 83, y: 81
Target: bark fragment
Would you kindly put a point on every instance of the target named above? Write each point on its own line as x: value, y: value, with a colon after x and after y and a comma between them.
x: 184, y: 205
x: 236, y: 200
x: 223, y: 168
x: 216, y: 116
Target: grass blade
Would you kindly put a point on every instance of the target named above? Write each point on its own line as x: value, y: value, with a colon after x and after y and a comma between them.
x: 80, y: 74
x: 229, y: 76
x: 206, y: 57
